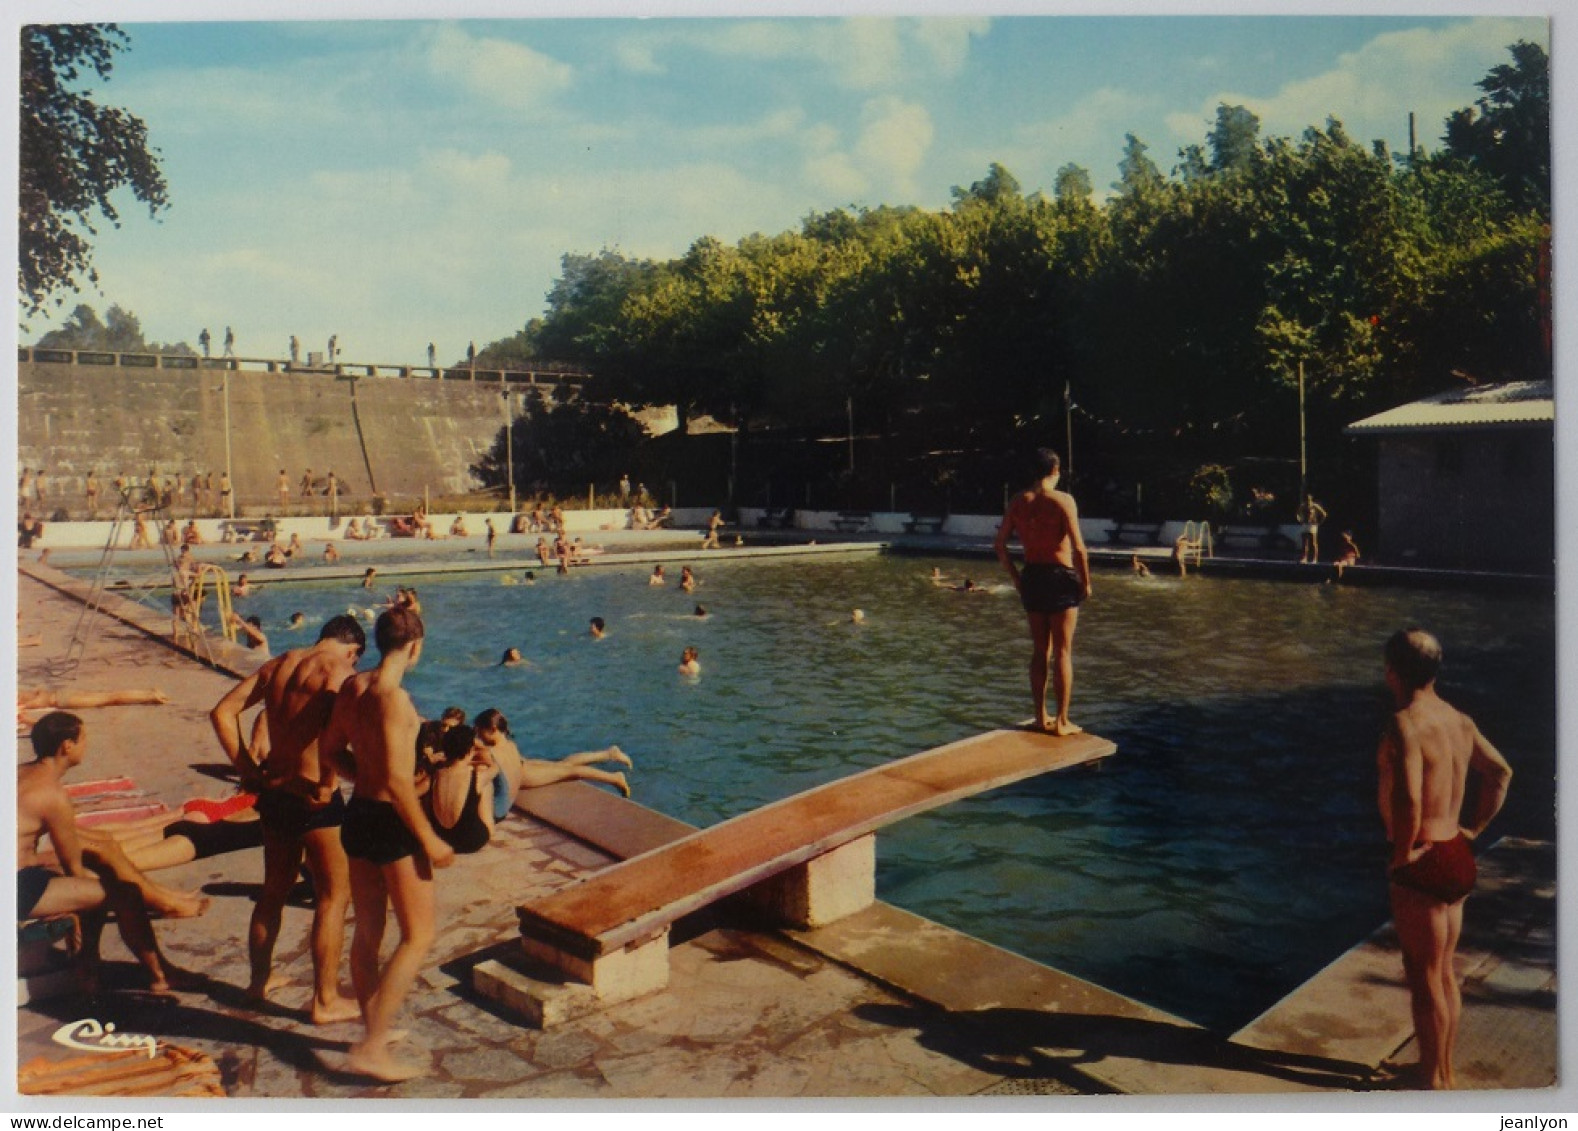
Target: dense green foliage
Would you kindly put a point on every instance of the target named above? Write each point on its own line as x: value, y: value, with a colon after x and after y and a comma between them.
x: 119, y: 331
x: 1163, y: 330
x: 73, y: 155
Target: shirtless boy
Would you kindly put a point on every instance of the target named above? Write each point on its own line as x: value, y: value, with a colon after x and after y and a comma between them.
x: 517, y: 772
x: 59, y: 742
x: 298, y: 802
x: 1426, y: 754
x: 390, y: 842
x: 1055, y: 579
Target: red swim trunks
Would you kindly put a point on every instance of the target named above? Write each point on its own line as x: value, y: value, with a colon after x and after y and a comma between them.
x: 1446, y: 871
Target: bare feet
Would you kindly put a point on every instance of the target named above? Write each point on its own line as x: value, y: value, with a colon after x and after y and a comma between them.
x: 178, y: 905
x: 614, y: 754
x: 619, y: 780
x: 176, y: 978
x: 1392, y: 1075
x: 340, y: 1009
x: 375, y: 1061
x: 1062, y: 727
x: 260, y: 996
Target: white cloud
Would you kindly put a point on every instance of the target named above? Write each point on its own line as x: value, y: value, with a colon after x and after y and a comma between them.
x: 1429, y: 71
x: 1093, y: 125
x: 638, y: 58
x: 863, y: 53
x: 835, y: 175
x: 894, y: 139
x: 947, y: 41
x: 509, y: 74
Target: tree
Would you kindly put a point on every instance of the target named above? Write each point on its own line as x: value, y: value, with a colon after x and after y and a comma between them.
x: 74, y: 154
x: 1233, y: 140
x: 1509, y: 136
x: 1137, y: 173
x: 119, y: 331
x: 1072, y: 184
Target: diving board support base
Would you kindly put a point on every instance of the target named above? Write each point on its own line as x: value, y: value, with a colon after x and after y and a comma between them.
x: 549, y: 986
x: 822, y: 890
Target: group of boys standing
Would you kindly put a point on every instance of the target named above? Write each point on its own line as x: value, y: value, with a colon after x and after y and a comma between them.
x: 375, y: 852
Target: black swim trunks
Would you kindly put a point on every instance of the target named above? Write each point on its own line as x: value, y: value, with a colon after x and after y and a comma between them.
x: 1446, y: 871
x: 373, y: 831
x: 31, y: 882
x: 290, y: 814
x: 1047, y: 587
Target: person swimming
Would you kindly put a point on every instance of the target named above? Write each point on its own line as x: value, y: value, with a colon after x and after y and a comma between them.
x: 512, y: 658
x: 690, y: 662
x: 598, y: 628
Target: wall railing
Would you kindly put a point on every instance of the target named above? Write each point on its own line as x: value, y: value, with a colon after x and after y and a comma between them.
x: 556, y: 374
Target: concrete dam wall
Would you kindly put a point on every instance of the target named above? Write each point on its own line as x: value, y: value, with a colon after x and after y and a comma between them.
x: 397, y: 435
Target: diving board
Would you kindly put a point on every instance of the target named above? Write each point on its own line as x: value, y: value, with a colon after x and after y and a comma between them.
x: 807, y: 860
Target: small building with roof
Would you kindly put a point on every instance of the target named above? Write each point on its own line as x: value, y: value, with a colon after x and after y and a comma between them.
x: 1466, y: 479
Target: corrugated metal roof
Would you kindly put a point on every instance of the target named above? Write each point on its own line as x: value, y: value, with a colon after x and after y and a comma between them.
x: 1512, y: 403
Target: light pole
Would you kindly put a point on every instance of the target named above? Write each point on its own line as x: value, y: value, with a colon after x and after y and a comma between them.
x: 1303, y: 455
x: 1068, y: 426
x: 849, y: 405
x: 230, y: 499
x: 509, y: 442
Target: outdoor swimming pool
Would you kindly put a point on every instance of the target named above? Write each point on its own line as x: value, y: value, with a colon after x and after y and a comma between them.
x: 1230, y: 850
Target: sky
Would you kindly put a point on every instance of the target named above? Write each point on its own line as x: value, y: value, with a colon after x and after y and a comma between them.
x: 400, y: 181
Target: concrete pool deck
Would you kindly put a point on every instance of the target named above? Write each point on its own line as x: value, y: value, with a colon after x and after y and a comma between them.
x: 883, y: 1004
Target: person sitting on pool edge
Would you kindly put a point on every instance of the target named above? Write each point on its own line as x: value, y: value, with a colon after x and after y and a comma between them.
x: 460, y: 795
x: 517, y: 772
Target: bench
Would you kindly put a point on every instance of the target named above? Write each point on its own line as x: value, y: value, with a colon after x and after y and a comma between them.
x: 849, y: 522
x: 925, y: 523
x: 804, y: 861
x: 780, y: 519
x: 1150, y: 532
x: 1268, y: 537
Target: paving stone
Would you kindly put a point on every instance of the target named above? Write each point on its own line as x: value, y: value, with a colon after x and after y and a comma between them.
x: 473, y: 1020
x: 490, y: 1065
x: 680, y: 1072
x: 569, y: 1085
x: 563, y: 1048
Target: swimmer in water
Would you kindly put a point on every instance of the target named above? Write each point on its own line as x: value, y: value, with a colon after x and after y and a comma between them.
x: 1137, y: 567
x: 512, y: 658
x: 690, y: 662
x: 858, y: 616
x: 701, y: 611
x: 598, y: 628
x: 367, y: 578
x: 657, y: 577
x: 687, y: 580
x: 297, y: 620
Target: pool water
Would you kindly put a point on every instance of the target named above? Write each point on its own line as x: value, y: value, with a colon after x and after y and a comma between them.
x: 1229, y: 851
